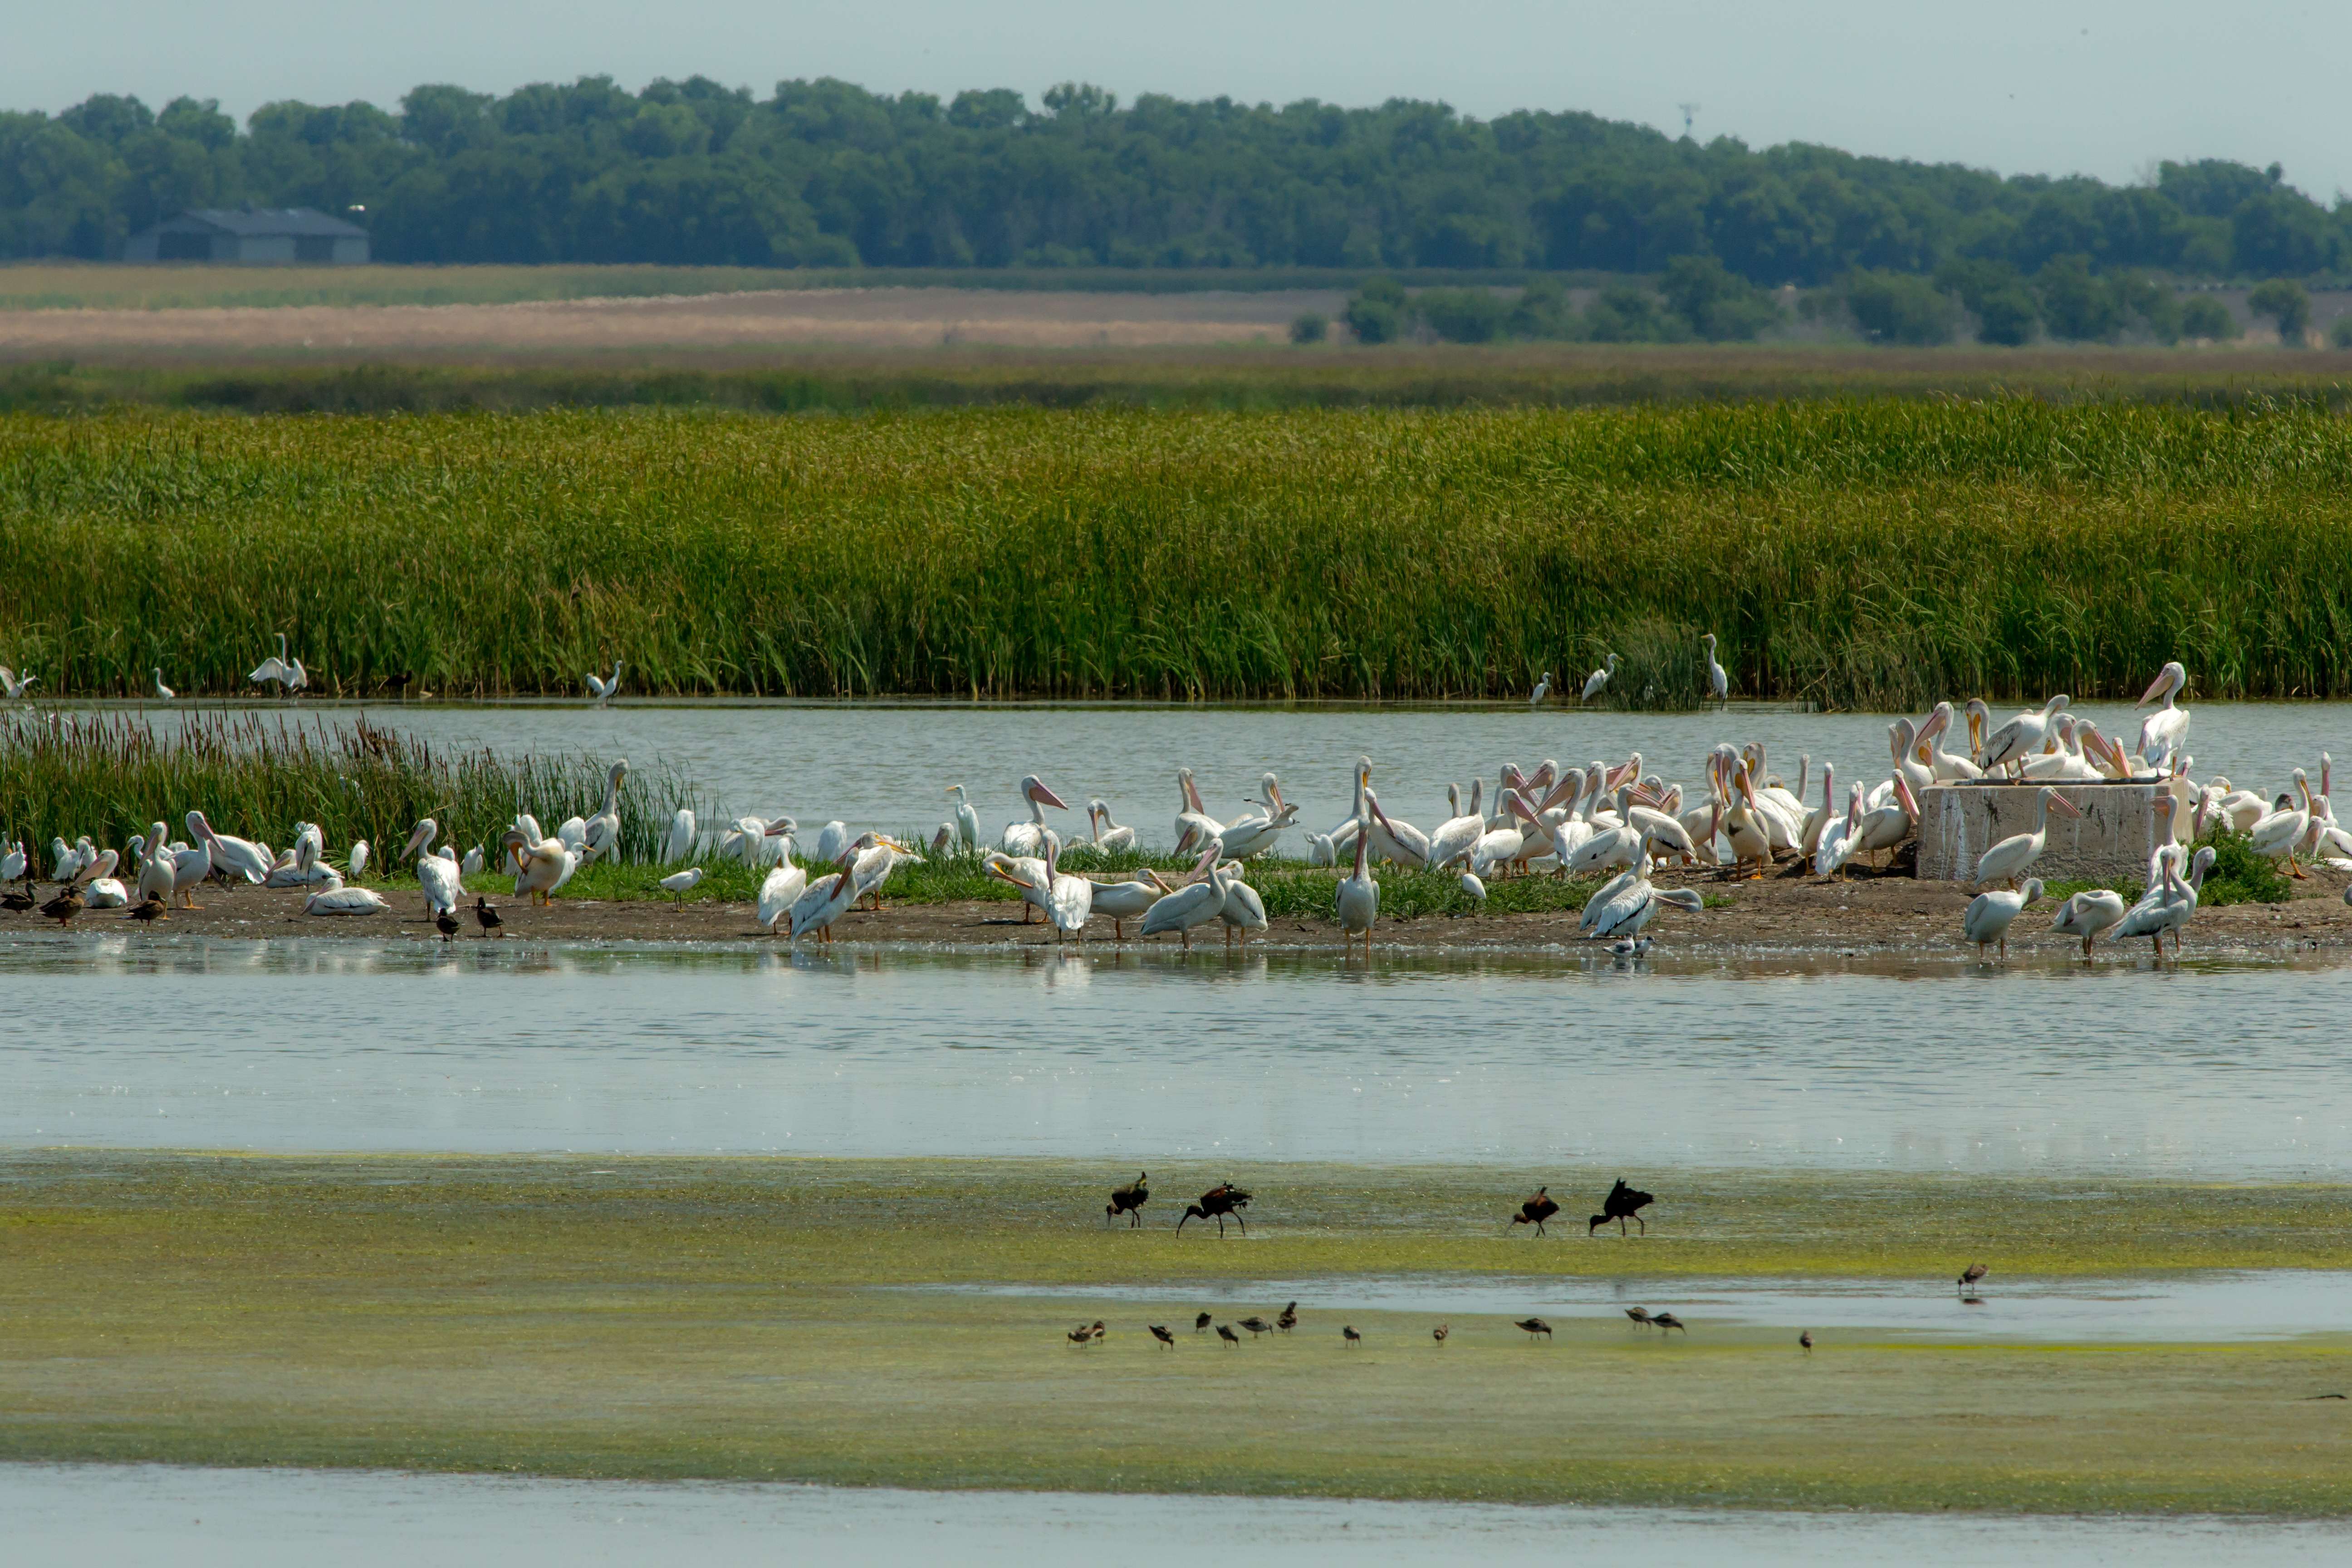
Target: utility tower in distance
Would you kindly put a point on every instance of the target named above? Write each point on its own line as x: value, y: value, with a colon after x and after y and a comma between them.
x: 1690, y: 112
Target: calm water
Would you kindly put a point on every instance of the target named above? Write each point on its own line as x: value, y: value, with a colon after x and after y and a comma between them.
x: 2217, y: 1070
x: 889, y: 766
x: 136, y: 1515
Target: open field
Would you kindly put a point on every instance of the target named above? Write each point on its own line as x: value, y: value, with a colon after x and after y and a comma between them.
x: 1854, y: 555
x: 749, y: 1318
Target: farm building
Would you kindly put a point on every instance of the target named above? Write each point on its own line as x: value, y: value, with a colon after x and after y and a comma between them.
x: 249, y: 234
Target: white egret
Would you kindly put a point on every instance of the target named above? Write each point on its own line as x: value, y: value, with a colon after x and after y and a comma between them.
x: 12, y: 686
x: 1719, y: 679
x: 1595, y: 683
x: 603, y: 690
x: 677, y: 884
x: 356, y: 861
x: 1543, y: 689
x: 473, y: 863
x: 1475, y: 890
x: 13, y: 862
x: 967, y: 818
x: 161, y: 690
x: 680, y: 843
x: 286, y: 674
x: 1988, y: 918
x: 600, y: 836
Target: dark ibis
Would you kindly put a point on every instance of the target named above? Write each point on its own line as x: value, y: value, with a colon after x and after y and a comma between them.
x: 1288, y: 1319
x: 1534, y: 1211
x: 1350, y: 1335
x: 1129, y: 1200
x: 1160, y: 1331
x: 1623, y: 1202
x: 1216, y: 1203
x: 1534, y: 1326
x: 1225, y: 1333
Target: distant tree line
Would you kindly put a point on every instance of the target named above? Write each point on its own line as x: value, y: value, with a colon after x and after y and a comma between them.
x: 825, y: 173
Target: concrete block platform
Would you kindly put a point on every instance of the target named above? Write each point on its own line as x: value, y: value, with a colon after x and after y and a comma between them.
x: 1958, y: 823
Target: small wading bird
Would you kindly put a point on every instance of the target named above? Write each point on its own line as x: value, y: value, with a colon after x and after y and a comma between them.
x: 1288, y: 1319
x: 1543, y: 689
x: 1968, y: 1278
x: 1350, y: 1336
x: 1534, y: 1211
x: 486, y: 915
x: 1439, y: 1333
x: 1719, y: 679
x: 1227, y: 1334
x: 603, y: 690
x: 1257, y: 1325
x: 1599, y: 679
x: 1086, y: 1333
x: 1217, y: 1203
x: 1160, y: 1331
x: 1641, y: 1316
x: 677, y: 884
x: 1201, y: 1324
x: 1669, y: 1320
x: 1129, y: 1200
x: 1534, y: 1326
x: 161, y: 690
x: 1623, y: 1202
x: 1805, y: 1340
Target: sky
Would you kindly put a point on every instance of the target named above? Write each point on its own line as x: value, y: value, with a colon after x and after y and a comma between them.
x: 2099, y: 87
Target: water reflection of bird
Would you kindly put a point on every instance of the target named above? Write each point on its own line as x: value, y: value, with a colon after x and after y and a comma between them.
x: 1160, y: 1331
x: 1534, y: 1326
x: 1970, y: 1275
x: 1129, y: 1200
x: 1225, y: 1333
x: 1623, y: 1202
x: 1534, y: 1211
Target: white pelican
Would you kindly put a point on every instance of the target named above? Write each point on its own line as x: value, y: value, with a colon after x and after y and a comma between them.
x: 1068, y: 899
x: 784, y: 887
x: 230, y: 856
x: 1599, y: 679
x: 600, y: 836
x: 1453, y: 839
x: 161, y: 690
x: 1543, y: 689
x: 1358, y: 899
x: 1258, y: 832
x: 540, y: 868
x: 443, y: 884
x: 1192, y: 903
x: 967, y: 819
x: 1119, y: 902
x: 1475, y: 890
x: 603, y: 690
x: 1836, y: 843
x: 1195, y: 826
x: 677, y: 884
x: 2013, y: 857
x: 825, y: 901
x: 1243, y: 910
x: 473, y: 863
x: 1026, y: 872
x: 2086, y: 914
x: 1989, y: 915
x: 1821, y: 817
x: 1343, y: 832
x: 12, y: 686
x: 1886, y: 826
x: 832, y: 840
x: 2021, y: 738
x: 1609, y: 849
x: 680, y: 843
x: 1908, y: 754
x: 1320, y: 850
x: 1032, y: 836
x: 1397, y: 841
x: 2278, y: 836
x: 2177, y: 903
x: 2064, y: 759
x: 63, y: 860
x: 335, y: 898
x: 1117, y: 840
x: 286, y: 674
x: 1948, y: 766
x: 13, y: 862
x: 573, y: 832
x: 158, y: 868
x: 877, y: 855
x: 190, y: 868
x: 1743, y: 827
x: 2163, y: 734
x: 1626, y: 904
x: 1719, y: 679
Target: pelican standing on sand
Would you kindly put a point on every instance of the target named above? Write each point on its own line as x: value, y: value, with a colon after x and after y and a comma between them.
x: 540, y: 867
x: 783, y: 889
x: 1032, y: 836
x: 2013, y: 857
x: 1194, y: 904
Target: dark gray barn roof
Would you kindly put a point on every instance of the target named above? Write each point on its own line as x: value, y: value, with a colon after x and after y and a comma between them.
x: 254, y: 221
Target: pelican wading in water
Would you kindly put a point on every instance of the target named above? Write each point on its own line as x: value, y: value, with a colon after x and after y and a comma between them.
x: 2088, y: 913
x: 1989, y: 915
x: 1357, y: 901
x: 1194, y: 903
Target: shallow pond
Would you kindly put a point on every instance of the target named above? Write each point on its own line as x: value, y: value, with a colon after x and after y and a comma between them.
x: 888, y: 765
x: 2212, y: 1069
x: 136, y: 1515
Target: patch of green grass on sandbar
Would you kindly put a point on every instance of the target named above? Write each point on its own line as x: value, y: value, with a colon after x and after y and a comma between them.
x: 737, y: 1318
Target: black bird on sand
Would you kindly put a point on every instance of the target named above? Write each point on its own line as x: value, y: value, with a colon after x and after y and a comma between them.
x: 149, y: 908
x: 1350, y: 1335
x: 1534, y: 1326
x: 1804, y: 1339
x: 1623, y: 1202
x: 1160, y: 1331
x: 1201, y: 1324
x: 1968, y: 1278
x: 446, y: 922
x: 1227, y: 1334
x: 1216, y: 1203
x: 18, y: 902
x: 1534, y: 1211
x: 1129, y: 1200
x: 486, y: 915
x: 1288, y: 1319
x: 63, y: 907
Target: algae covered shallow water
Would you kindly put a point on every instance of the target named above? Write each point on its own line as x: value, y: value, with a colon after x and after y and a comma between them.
x: 2222, y: 1069
x: 134, y: 1515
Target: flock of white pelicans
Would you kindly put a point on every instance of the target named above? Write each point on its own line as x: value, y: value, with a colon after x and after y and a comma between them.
x: 1617, y: 821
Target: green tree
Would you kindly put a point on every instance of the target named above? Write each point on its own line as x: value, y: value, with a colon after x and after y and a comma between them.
x: 1895, y: 309
x: 2205, y: 317
x: 1542, y: 310
x: 1463, y: 315
x: 2339, y: 332
x: 1625, y: 314
x: 1377, y: 314
x: 2284, y: 301
x: 1992, y: 291
x: 1716, y: 303
x: 2075, y: 305
x: 1310, y: 327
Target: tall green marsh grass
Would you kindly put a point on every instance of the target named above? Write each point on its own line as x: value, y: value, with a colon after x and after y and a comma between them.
x: 1856, y: 555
